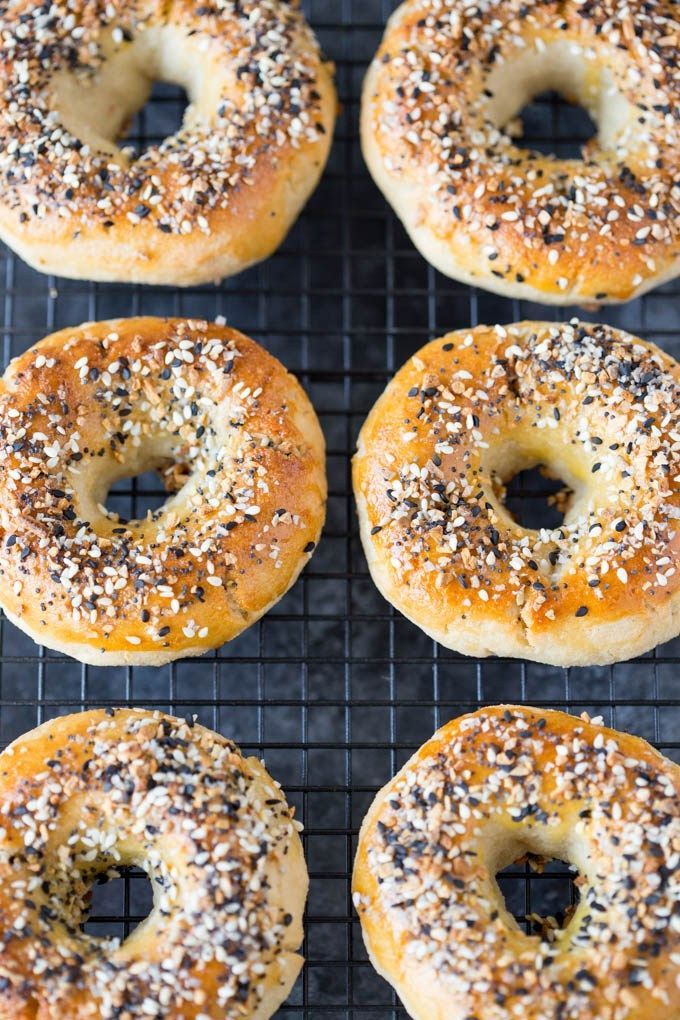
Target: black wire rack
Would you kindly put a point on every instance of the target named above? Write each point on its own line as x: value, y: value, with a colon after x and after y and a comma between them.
x: 333, y: 688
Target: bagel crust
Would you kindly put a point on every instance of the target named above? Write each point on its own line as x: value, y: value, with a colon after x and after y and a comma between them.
x: 204, y: 203
x: 436, y: 127
x: 589, y: 404
x: 239, y: 445
x: 84, y: 794
x: 485, y: 790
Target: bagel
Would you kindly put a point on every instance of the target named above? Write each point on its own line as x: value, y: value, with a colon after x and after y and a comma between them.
x: 595, y: 407
x: 229, y: 428
x: 486, y: 789
x: 448, y: 79
x: 85, y: 794
x: 206, y: 202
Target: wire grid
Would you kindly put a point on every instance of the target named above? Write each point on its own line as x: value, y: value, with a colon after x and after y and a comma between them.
x: 333, y: 687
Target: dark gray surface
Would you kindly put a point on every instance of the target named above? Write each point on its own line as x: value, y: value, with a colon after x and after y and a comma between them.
x: 333, y: 687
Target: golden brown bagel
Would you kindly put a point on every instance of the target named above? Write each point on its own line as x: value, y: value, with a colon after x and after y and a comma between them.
x: 596, y: 407
x: 108, y: 400
x: 206, y: 202
x: 87, y: 793
x: 448, y: 78
x: 483, y: 791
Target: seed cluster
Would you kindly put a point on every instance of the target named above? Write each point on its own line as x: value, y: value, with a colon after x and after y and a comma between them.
x: 587, y: 393
x: 174, y: 185
x: 523, y: 779
x: 177, y: 800
x: 529, y: 217
x: 112, y: 400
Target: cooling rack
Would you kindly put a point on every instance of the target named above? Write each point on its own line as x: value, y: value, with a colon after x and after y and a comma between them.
x: 333, y: 687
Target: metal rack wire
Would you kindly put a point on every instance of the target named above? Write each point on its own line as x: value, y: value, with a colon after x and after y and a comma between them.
x: 333, y: 687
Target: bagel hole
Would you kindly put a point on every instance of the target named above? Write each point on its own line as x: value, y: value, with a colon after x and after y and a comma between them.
x: 159, y: 118
x: 139, y: 496
x: 551, y: 125
x: 120, y: 900
x: 534, y: 498
x: 541, y: 893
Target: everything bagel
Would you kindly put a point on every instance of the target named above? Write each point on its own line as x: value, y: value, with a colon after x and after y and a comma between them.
x: 448, y: 78
x: 594, y: 406
x: 198, y: 401
x: 87, y: 793
x: 205, y: 202
x: 486, y: 789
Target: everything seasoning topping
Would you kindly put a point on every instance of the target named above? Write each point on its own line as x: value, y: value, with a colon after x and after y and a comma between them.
x: 111, y: 400
x: 442, y: 77
x: 272, y: 106
x: 180, y: 802
x: 484, y: 408
x: 487, y: 789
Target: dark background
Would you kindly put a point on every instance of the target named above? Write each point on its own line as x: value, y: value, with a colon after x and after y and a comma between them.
x: 333, y: 687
